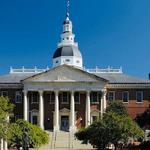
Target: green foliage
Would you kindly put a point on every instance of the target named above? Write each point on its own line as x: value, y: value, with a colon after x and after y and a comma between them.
x: 111, y: 129
x: 5, y: 109
x: 117, y: 107
x: 144, y: 119
x: 37, y: 136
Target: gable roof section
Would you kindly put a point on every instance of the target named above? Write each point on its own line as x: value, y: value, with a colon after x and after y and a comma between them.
x: 64, y: 73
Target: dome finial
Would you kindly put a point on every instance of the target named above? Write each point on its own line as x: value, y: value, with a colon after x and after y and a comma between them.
x: 67, y: 9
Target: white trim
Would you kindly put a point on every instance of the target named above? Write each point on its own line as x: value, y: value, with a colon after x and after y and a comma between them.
x: 141, y: 96
x: 67, y: 102
x: 114, y: 95
x: 97, y: 97
x: 32, y: 102
x: 127, y: 96
x: 18, y: 93
x: 35, y: 113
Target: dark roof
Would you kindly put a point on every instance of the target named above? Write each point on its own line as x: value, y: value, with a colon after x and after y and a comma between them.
x: 113, y: 78
x: 121, y: 78
x: 14, y: 78
x: 67, y: 51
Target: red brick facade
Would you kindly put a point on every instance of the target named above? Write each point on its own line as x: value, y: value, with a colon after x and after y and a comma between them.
x: 132, y: 106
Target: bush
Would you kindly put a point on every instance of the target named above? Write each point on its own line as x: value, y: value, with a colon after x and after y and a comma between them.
x: 37, y: 136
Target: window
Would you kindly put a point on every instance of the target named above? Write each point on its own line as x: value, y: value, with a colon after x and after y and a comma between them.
x: 139, y: 96
x: 67, y: 60
x: 4, y: 93
x: 111, y: 95
x: 57, y: 61
x: 77, y: 97
x: 94, y: 97
x: 125, y: 96
x: 34, y: 97
x: 78, y: 61
x: 65, y: 97
x: 18, y: 97
x: 51, y: 97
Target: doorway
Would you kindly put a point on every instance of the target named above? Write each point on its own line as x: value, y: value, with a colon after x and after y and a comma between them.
x: 65, y: 123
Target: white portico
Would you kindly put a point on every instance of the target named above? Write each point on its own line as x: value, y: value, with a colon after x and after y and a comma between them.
x: 64, y: 79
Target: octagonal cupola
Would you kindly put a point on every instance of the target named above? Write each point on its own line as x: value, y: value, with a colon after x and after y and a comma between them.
x: 67, y: 51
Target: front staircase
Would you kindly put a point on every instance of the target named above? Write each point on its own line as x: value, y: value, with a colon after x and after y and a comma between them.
x: 66, y: 140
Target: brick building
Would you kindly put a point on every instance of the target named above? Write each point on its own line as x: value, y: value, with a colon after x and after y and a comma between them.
x: 68, y: 96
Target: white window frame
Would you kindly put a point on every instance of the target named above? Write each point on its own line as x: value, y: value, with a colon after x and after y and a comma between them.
x: 65, y: 102
x: 4, y: 94
x: 18, y: 93
x: 50, y: 98
x: 35, y: 113
x: 32, y: 102
x: 137, y: 96
x: 113, y: 96
x: 127, y: 96
x: 79, y: 97
x: 97, y: 101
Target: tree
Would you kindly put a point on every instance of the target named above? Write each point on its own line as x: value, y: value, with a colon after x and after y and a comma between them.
x: 5, y: 110
x: 117, y: 107
x: 37, y: 136
x: 112, y: 128
x: 144, y: 119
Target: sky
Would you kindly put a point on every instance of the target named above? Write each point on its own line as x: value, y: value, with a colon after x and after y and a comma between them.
x: 109, y: 32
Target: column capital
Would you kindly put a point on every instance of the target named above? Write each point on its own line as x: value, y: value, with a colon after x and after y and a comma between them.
x: 72, y: 92
x: 88, y: 91
x: 40, y: 92
x: 104, y: 91
x: 56, y: 92
x: 25, y: 91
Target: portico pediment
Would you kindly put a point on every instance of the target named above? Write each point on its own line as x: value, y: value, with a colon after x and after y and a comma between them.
x: 65, y: 73
x: 64, y: 110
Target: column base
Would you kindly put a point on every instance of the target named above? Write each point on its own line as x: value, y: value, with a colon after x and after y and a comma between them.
x: 56, y: 128
x: 72, y: 129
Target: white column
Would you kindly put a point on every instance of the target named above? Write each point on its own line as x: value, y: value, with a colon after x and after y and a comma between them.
x: 104, y: 100
x: 102, y: 105
x: 25, y: 110
x: 88, y: 109
x: 41, y: 110
x: 72, y: 112
x: 2, y: 144
x: 56, y: 125
x: 5, y: 145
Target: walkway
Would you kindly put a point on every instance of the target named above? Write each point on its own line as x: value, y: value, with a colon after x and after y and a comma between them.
x: 64, y: 141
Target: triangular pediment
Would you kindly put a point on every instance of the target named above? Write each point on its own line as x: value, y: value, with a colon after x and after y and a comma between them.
x: 64, y: 73
x: 64, y: 110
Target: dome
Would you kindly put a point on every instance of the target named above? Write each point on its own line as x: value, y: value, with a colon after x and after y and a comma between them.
x: 67, y: 51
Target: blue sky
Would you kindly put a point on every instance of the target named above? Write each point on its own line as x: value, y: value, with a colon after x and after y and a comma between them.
x: 110, y: 33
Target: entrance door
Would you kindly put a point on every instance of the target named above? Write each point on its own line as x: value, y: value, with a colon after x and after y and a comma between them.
x: 65, y: 123
x: 34, y: 120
